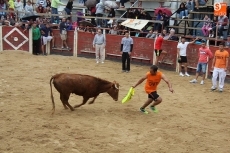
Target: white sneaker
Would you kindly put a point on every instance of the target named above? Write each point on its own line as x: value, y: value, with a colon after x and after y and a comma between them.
x: 221, y: 90
x: 181, y: 74
x: 202, y: 82
x: 193, y: 81
x: 187, y: 74
x: 213, y: 88
x: 97, y: 62
x: 102, y: 62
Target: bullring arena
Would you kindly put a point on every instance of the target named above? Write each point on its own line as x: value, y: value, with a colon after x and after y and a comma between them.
x: 191, y: 120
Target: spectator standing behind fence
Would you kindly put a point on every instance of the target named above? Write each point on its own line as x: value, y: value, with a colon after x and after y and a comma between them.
x: 99, y: 13
x: 126, y: 50
x: 114, y: 30
x: 204, y: 54
x: 220, y: 67
x: 99, y: 43
x: 182, y: 56
x: 54, y: 10
x: 171, y: 36
x: 46, y: 32
x: 151, y: 34
x: 19, y: 7
x: 182, y: 11
x: 68, y: 8
x: 206, y: 25
x: 63, y: 33
x: 36, y: 39
x: 29, y: 8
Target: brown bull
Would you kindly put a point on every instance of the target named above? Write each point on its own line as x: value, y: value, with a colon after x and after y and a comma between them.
x: 82, y: 85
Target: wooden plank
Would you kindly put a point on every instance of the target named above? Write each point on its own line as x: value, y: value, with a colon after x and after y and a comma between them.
x: 62, y: 49
x: 191, y: 20
x: 86, y: 51
x: 116, y: 55
x: 140, y: 58
x: 194, y: 12
x: 181, y: 27
x: 190, y: 67
x: 162, y: 62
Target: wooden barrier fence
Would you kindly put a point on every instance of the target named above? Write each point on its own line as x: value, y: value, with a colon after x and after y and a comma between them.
x: 81, y: 44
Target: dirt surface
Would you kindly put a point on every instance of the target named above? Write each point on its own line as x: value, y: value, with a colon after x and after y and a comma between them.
x: 192, y: 120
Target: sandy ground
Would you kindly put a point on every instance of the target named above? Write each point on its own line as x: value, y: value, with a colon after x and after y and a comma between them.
x: 192, y: 120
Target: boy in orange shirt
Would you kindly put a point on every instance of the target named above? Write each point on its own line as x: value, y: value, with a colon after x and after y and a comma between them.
x: 219, y: 66
x: 153, y: 78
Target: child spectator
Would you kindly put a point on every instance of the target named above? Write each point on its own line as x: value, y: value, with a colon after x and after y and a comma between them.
x: 212, y: 24
x: 182, y: 11
x: 63, y: 34
x: 206, y: 26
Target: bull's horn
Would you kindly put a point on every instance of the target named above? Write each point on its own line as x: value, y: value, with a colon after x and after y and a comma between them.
x: 116, y: 86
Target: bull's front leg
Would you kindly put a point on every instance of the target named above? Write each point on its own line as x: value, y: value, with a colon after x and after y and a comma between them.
x: 83, y: 102
x: 92, y: 101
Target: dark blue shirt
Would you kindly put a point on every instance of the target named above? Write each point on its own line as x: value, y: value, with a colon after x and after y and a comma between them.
x: 46, y: 31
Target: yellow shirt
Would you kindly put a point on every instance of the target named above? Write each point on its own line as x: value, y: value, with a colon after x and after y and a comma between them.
x: 11, y: 4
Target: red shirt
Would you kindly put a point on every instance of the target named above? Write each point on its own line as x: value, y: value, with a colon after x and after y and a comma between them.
x: 159, y: 43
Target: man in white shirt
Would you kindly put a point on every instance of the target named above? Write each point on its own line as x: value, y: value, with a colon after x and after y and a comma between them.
x: 182, y: 56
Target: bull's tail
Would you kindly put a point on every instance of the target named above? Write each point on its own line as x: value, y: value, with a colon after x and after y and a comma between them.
x: 52, y: 97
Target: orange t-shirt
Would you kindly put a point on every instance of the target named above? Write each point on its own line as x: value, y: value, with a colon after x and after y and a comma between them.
x: 221, y: 59
x: 152, y: 81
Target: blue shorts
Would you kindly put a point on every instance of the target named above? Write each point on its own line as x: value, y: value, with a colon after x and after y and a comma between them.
x: 201, y: 2
x: 201, y: 67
